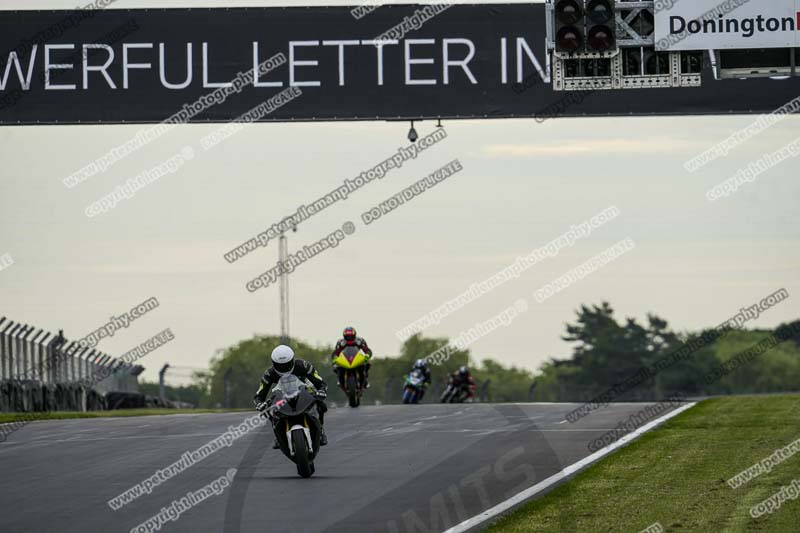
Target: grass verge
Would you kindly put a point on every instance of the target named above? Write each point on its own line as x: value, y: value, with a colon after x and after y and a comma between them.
x: 676, y: 476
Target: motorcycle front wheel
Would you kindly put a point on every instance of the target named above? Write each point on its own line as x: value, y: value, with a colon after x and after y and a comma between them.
x: 352, y: 391
x: 305, y: 466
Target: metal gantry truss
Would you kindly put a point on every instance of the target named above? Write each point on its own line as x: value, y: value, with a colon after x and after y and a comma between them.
x: 633, y: 64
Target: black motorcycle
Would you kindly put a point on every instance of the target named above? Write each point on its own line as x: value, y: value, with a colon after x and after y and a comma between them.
x: 293, y: 413
x: 457, y: 391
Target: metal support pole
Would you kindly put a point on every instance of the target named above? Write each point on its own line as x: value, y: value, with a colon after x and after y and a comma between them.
x: 97, y: 380
x: 54, y: 356
x: 36, y: 356
x: 226, y: 383
x: 5, y: 349
x: 66, y: 362
x: 283, y: 255
x: 14, y: 353
x: 57, y: 357
x: 50, y: 354
x: 22, y: 372
x: 161, y: 390
x: 532, y: 391
x: 97, y: 365
x: 82, y: 363
x: 72, y: 356
x: 43, y: 357
x: 88, y: 365
x: 30, y: 355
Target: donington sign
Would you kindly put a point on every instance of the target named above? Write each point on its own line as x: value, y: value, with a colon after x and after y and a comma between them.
x: 724, y: 24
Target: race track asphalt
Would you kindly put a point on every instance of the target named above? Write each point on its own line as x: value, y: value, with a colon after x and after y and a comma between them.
x: 393, y: 469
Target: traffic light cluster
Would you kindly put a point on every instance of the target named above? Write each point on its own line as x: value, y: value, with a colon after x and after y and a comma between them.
x: 585, y: 26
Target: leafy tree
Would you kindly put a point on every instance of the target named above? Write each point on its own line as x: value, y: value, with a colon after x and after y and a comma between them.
x: 505, y: 384
x: 607, y: 352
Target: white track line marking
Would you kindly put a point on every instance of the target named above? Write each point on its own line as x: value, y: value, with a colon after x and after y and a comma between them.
x: 15, y: 445
x: 568, y: 471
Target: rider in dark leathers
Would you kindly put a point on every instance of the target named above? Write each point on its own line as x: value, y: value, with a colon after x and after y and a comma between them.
x: 349, y: 338
x: 284, y: 362
x: 423, y: 367
x: 463, y: 380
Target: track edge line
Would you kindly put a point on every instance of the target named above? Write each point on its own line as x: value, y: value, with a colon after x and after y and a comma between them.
x: 569, y: 471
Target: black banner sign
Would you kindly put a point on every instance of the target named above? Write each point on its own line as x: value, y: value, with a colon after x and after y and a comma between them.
x: 321, y: 63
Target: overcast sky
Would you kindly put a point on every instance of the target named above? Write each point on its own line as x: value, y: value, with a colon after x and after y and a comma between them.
x: 695, y: 263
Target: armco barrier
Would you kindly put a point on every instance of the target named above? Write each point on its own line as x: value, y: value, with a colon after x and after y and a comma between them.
x: 40, y: 371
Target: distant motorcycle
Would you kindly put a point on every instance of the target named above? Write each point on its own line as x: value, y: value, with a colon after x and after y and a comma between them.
x: 293, y: 413
x: 457, y: 391
x: 351, y: 361
x: 413, y: 387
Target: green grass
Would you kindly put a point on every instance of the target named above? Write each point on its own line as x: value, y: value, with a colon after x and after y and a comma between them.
x: 676, y: 475
x: 59, y: 415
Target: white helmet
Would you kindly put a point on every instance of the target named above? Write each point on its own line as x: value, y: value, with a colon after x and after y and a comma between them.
x: 283, y: 359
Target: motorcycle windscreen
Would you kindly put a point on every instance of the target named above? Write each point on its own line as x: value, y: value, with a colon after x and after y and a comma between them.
x: 290, y: 386
x: 294, y: 396
x: 350, y: 352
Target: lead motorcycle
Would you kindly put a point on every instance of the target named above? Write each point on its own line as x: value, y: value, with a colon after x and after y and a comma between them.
x: 350, y: 363
x: 293, y: 413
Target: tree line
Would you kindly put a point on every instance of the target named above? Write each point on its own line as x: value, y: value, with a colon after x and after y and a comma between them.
x: 606, y: 352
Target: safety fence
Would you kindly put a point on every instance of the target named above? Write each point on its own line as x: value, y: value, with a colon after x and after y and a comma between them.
x: 41, y: 371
